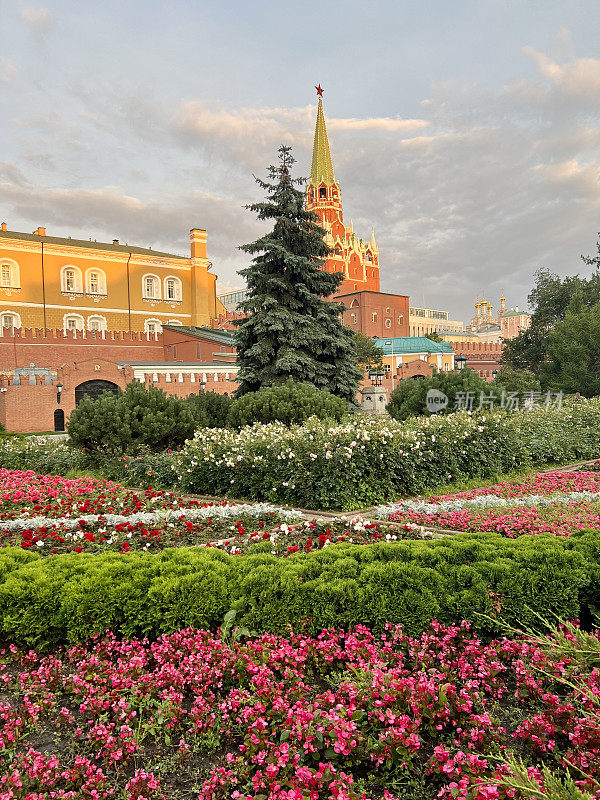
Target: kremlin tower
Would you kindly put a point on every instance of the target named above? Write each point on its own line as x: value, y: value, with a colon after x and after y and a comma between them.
x: 356, y: 259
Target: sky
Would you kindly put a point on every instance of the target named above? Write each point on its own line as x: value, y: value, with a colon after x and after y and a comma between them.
x: 466, y: 133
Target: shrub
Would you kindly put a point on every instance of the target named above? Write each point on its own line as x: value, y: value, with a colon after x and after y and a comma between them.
x: 289, y: 403
x: 139, y: 416
x: 484, y: 578
x: 364, y: 461
x: 210, y: 409
x: 408, y: 398
x: 51, y: 458
x: 515, y: 380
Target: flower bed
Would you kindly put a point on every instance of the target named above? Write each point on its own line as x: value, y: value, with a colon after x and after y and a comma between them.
x: 366, y: 461
x: 308, y: 536
x: 557, y: 503
x: 343, y: 715
x: 53, y: 515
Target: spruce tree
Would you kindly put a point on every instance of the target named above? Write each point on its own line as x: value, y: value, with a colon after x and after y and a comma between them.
x: 291, y: 330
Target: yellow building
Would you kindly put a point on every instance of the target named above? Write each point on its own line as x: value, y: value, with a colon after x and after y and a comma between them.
x: 50, y: 282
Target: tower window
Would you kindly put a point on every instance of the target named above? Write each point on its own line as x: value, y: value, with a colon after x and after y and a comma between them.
x: 322, y: 192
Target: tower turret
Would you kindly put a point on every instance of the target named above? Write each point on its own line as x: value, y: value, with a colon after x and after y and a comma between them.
x: 358, y: 261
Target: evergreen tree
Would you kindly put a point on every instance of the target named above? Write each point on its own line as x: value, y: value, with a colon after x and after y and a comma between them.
x: 292, y: 331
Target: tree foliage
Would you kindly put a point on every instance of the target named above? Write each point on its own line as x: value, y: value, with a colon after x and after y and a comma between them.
x: 368, y: 355
x: 509, y: 379
x: 573, y: 361
x: 210, y: 409
x: 291, y: 331
x: 289, y: 403
x: 136, y: 418
x: 550, y: 299
x: 409, y: 397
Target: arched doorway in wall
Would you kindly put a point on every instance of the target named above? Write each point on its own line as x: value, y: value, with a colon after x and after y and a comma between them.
x: 59, y: 420
x: 93, y: 390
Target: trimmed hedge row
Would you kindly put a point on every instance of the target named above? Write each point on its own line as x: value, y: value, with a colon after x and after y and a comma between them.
x: 66, y: 599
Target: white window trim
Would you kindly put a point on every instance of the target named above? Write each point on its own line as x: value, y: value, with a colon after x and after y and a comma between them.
x: 101, y: 281
x: 15, y: 273
x: 14, y: 314
x: 73, y: 316
x: 174, y: 322
x: 100, y: 319
x: 78, y: 289
x: 156, y: 283
x: 178, y: 288
x: 156, y: 322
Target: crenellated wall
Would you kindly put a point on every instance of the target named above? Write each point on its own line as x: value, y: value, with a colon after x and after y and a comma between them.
x: 51, y: 347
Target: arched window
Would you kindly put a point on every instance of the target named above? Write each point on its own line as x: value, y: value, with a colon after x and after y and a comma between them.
x: 353, y: 317
x: 151, y: 287
x: 368, y: 256
x: 172, y: 288
x: 354, y: 303
x: 71, y: 281
x: 95, y: 282
x: 73, y: 322
x: 9, y: 274
x: 322, y: 192
x: 374, y: 316
x: 9, y: 320
x: 96, y: 322
x: 174, y: 322
x: 388, y: 323
x: 338, y: 250
x: 152, y: 326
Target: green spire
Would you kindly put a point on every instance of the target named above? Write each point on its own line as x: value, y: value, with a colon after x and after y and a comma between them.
x: 322, y: 168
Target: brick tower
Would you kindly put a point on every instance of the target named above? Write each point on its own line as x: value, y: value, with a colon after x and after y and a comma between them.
x: 356, y: 259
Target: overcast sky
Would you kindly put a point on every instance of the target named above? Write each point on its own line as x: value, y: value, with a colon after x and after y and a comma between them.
x: 467, y: 133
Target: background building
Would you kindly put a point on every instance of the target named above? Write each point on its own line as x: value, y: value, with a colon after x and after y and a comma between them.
x: 428, y: 320
x: 506, y: 324
x: 73, y: 284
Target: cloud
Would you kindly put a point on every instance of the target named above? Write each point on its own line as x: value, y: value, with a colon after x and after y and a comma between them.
x: 162, y: 222
x: 579, y: 77
x: 485, y: 185
x: 38, y: 18
x: 7, y: 70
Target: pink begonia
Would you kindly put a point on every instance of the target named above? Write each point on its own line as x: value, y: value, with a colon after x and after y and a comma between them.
x: 400, y: 703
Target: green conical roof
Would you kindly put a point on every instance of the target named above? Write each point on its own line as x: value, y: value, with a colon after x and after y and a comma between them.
x: 322, y: 169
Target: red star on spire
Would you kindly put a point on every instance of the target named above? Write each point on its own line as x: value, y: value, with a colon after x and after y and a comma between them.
x: 319, y: 90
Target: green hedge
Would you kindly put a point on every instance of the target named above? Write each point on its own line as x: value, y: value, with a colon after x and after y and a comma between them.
x: 366, y: 461
x: 65, y: 599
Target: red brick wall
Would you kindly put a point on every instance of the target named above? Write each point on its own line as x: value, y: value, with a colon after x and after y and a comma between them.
x: 482, y: 357
x: 55, y: 347
x: 392, y: 308
x: 30, y: 409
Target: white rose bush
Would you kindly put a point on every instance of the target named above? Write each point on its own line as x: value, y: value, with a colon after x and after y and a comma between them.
x: 364, y: 461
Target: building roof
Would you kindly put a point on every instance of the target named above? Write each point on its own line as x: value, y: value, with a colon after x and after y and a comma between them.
x: 220, y: 337
x: 116, y: 248
x: 399, y: 345
x: 322, y: 167
x: 514, y: 313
